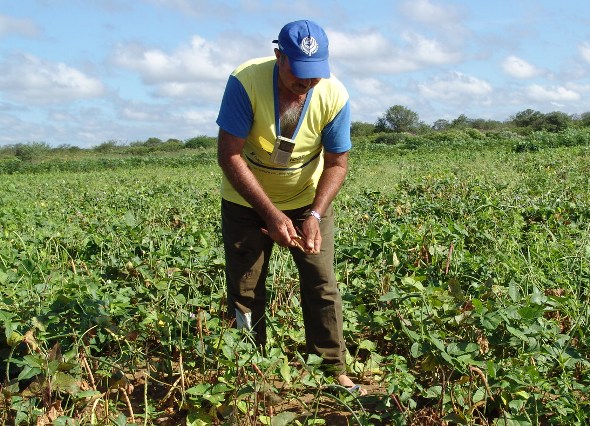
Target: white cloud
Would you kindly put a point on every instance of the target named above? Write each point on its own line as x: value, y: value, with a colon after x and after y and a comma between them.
x: 22, y: 27
x: 428, y: 51
x: 456, y: 86
x: 579, y: 88
x: 428, y: 12
x: 370, y: 52
x: 519, y: 68
x: 198, y: 117
x: 584, y: 49
x: 540, y: 93
x: 136, y: 114
x: 196, y: 8
x: 27, y: 78
x: 206, y: 91
x: 369, y: 86
x: 174, y: 74
x: 349, y: 45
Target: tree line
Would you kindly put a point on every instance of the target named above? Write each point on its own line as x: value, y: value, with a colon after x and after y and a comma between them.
x: 400, y: 119
x: 397, y: 124
x: 38, y: 150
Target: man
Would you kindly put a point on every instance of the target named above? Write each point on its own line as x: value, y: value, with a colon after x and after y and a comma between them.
x: 283, y: 147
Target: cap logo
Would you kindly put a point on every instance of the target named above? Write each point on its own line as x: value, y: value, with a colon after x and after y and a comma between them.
x: 309, y: 45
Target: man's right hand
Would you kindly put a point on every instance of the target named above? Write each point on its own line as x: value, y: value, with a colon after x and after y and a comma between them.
x: 281, y: 229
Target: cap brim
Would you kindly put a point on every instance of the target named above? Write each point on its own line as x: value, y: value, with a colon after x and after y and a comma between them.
x: 310, y: 69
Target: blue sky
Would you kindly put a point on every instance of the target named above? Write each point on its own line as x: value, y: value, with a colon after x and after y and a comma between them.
x: 88, y: 71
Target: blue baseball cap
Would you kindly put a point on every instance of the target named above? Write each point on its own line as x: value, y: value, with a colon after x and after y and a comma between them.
x: 306, y: 45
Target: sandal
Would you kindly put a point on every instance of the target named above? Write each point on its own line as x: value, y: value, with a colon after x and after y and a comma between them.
x: 357, y: 389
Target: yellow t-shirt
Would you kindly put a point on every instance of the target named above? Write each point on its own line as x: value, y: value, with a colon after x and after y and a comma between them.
x: 250, y: 110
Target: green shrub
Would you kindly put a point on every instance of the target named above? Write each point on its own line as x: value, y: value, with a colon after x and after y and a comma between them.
x: 10, y: 165
x: 201, y: 142
x: 108, y: 146
x: 31, y: 151
x: 390, y: 138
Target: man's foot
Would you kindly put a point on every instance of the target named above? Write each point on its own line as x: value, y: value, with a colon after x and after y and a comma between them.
x: 345, y: 381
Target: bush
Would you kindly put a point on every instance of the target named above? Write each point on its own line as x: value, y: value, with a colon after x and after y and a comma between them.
x: 171, y: 145
x: 390, y: 138
x: 358, y: 128
x: 10, y: 165
x: 525, y: 146
x: 31, y: 151
x: 201, y: 142
x: 108, y: 146
x: 447, y: 136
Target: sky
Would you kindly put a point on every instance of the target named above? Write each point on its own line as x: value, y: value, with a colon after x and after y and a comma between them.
x: 85, y: 72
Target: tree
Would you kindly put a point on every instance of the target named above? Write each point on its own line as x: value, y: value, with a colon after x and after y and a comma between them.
x: 441, y: 124
x: 528, y: 118
x: 398, y: 119
x: 585, y: 119
x: 483, y: 124
x: 461, y: 122
x: 153, y: 142
x: 556, y: 121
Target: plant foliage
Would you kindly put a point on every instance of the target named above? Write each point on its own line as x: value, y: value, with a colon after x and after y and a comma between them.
x: 464, y: 264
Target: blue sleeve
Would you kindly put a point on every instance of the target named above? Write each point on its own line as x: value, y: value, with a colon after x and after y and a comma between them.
x: 336, y: 135
x: 235, y: 114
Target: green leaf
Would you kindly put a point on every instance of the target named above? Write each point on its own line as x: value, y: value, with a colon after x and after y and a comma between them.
x: 517, y: 333
x: 130, y: 219
x: 14, y: 338
x: 313, y: 359
x: 28, y: 372
x: 413, y: 282
x: 121, y: 420
x: 513, y: 291
x: 199, y: 389
x: 63, y: 421
x: 368, y: 345
x: 286, y: 370
x: 418, y: 349
x: 434, y: 391
x: 65, y: 383
x: 507, y: 420
x: 197, y: 418
x: 437, y: 343
x: 87, y: 394
x: 161, y: 285
x: 530, y: 312
x: 180, y: 299
x: 389, y: 296
x: 283, y: 419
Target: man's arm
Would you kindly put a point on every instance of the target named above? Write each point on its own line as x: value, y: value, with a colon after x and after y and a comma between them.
x: 331, y: 180
x: 229, y: 149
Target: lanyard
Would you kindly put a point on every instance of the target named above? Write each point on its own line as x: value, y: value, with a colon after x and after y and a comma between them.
x: 275, y: 85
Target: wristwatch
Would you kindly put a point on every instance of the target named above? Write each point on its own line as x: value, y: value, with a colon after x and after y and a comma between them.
x: 316, y: 215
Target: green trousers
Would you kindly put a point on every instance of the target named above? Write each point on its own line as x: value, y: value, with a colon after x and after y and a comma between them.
x: 248, y: 251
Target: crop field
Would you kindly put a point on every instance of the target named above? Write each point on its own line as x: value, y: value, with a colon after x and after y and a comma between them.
x: 464, y: 269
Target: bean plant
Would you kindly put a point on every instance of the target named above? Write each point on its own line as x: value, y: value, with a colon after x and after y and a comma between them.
x: 464, y: 270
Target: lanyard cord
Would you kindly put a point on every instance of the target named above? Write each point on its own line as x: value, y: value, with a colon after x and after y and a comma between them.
x: 275, y: 84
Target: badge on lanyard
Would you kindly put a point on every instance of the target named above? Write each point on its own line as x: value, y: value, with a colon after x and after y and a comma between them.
x: 281, y: 154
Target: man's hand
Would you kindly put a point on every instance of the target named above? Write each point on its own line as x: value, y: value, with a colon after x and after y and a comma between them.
x: 311, y: 235
x: 308, y: 238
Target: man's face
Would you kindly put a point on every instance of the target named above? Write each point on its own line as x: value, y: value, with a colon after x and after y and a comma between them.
x: 298, y: 86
